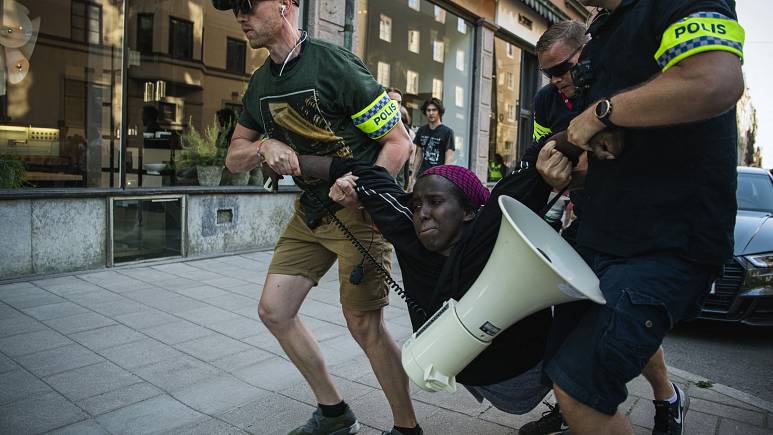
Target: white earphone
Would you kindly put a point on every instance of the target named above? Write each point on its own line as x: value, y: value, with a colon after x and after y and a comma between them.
x: 282, y: 9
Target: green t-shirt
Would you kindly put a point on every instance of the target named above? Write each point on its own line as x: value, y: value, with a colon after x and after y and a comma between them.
x: 327, y: 104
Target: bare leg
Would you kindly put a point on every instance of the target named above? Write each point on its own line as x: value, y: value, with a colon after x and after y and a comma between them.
x: 657, y: 375
x: 367, y: 328
x: 584, y: 420
x: 278, y: 309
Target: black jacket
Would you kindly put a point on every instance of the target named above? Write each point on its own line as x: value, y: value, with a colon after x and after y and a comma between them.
x: 430, y: 278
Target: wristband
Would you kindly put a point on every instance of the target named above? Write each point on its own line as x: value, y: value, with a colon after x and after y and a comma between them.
x: 261, y: 157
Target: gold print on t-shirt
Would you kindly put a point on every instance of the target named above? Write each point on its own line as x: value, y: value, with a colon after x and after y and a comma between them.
x: 289, y: 119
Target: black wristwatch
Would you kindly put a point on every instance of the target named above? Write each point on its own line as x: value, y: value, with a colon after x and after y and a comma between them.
x: 603, y: 111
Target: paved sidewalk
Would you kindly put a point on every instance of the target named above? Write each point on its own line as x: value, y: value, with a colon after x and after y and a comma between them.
x: 178, y: 348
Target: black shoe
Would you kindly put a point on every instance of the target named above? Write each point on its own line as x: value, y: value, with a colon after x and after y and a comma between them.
x: 551, y: 422
x: 397, y: 432
x: 318, y: 424
x: 669, y: 418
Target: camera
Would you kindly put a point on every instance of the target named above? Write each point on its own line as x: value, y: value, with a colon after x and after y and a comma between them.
x: 582, y: 76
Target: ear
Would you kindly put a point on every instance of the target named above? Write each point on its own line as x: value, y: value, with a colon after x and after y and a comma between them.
x: 469, y: 215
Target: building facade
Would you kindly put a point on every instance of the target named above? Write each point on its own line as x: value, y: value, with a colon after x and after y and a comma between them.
x: 96, y: 95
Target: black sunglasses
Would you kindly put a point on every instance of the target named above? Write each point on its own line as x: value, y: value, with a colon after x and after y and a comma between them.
x: 245, y: 6
x: 241, y: 6
x: 562, y: 67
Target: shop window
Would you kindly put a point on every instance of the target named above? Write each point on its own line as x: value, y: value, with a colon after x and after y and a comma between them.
x: 412, y: 82
x: 414, y: 4
x: 382, y: 75
x: 445, y: 43
x: 236, y: 51
x: 413, y: 41
x: 459, y: 100
x: 146, y: 228
x: 437, y: 88
x: 145, y: 33
x: 86, y: 19
x: 438, y: 48
x: 166, y: 98
x: 180, y: 38
x: 505, y: 124
x: 385, y: 28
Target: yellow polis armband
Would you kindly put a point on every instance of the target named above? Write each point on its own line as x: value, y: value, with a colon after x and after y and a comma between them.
x: 378, y: 118
x: 540, y: 131
x: 696, y: 33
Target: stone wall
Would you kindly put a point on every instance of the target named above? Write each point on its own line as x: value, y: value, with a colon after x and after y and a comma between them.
x: 57, y: 235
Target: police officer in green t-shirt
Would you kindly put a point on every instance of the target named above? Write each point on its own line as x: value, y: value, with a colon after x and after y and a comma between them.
x: 314, y: 98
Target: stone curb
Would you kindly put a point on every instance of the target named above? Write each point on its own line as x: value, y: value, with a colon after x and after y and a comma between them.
x: 723, y: 389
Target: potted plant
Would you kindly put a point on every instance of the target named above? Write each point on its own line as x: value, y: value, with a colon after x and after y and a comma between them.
x: 202, y: 152
x: 11, y: 172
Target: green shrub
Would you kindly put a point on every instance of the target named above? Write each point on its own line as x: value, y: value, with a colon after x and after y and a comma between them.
x: 203, y: 149
x: 11, y: 172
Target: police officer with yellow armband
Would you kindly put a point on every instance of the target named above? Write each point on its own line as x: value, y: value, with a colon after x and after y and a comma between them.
x: 659, y: 217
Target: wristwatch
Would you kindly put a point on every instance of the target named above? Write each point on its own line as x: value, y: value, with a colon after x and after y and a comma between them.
x: 603, y: 111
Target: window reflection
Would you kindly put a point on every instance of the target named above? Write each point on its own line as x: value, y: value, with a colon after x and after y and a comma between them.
x: 60, y: 105
x: 429, y: 54
x: 512, y: 94
x: 200, y: 70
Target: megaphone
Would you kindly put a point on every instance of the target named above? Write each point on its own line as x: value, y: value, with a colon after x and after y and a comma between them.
x: 531, y: 268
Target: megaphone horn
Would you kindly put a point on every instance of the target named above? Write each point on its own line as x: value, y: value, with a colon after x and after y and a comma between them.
x: 531, y: 268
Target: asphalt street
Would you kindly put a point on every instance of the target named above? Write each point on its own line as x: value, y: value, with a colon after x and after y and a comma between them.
x: 738, y: 356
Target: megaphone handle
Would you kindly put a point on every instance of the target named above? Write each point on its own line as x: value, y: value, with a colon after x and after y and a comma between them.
x: 366, y: 254
x: 552, y: 202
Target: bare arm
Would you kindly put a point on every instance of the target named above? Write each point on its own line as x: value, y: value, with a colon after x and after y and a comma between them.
x: 449, y: 157
x: 395, y: 149
x: 417, y: 161
x: 699, y: 87
x: 242, y: 152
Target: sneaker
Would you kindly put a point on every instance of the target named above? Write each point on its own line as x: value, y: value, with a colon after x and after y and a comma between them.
x: 551, y: 422
x: 669, y: 418
x: 397, y: 432
x: 318, y: 424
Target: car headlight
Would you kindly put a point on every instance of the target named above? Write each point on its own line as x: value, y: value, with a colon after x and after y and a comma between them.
x: 759, y: 273
x: 762, y: 261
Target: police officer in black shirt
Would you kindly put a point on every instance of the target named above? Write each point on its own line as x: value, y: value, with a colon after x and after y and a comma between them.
x: 556, y: 103
x: 659, y: 218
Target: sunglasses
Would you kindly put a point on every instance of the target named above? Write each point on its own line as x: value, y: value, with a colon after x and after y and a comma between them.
x: 245, y: 6
x: 562, y: 67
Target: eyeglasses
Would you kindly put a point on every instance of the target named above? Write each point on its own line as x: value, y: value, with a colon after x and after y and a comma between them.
x: 562, y: 67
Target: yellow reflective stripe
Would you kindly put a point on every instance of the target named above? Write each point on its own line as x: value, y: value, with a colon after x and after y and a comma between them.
x: 540, y: 131
x: 378, y: 118
x: 697, y: 33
